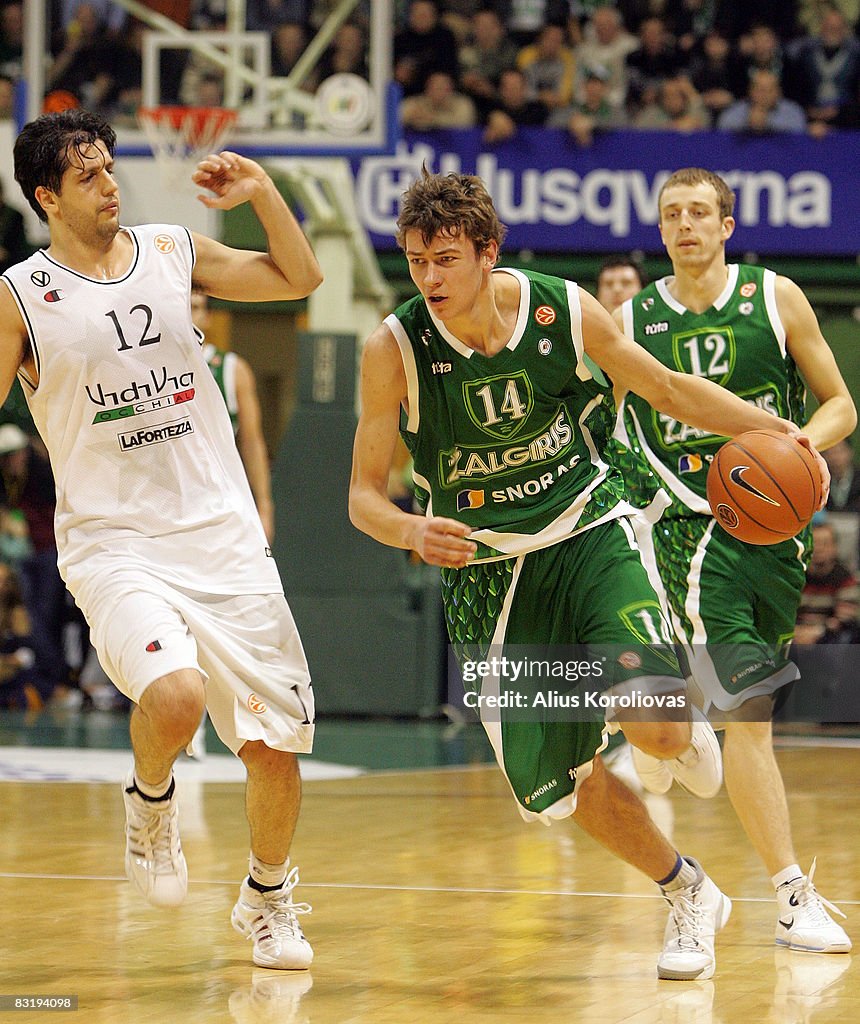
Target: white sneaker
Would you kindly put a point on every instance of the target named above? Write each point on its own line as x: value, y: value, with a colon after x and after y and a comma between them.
x: 271, y: 998
x: 696, y: 914
x: 699, y: 769
x: 803, y: 923
x: 269, y: 918
x: 154, y: 861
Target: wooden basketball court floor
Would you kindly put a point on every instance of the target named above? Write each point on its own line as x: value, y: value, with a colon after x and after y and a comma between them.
x: 432, y: 902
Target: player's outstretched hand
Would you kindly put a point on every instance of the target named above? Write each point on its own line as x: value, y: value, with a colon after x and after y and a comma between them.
x: 444, y: 542
x: 234, y: 179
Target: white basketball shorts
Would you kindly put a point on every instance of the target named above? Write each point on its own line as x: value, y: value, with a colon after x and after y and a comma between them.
x: 246, y: 647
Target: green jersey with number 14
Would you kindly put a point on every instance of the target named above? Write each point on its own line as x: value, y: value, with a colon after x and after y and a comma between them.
x: 739, y: 342
x: 514, y: 444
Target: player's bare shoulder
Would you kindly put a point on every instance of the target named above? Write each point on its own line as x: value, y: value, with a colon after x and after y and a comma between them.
x: 382, y: 370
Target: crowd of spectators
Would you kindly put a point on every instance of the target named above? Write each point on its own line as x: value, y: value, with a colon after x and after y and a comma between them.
x: 587, y: 65
x: 677, y: 65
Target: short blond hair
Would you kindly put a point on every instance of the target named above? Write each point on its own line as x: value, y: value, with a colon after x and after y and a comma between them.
x: 699, y: 176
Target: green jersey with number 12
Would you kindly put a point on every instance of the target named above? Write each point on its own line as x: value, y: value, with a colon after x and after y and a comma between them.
x: 739, y: 343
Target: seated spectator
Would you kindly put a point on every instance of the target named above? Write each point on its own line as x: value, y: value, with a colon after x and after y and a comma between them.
x: 824, y: 70
x: 766, y: 110
x: 439, y: 105
x: 606, y: 44
x: 513, y: 109
x: 761, y: 50
x: 424, y: 46
x: 526, y: 18
x: 7, y: 98
x: 21, y: 683
x: 844, y: 478
x: 347, y: 53
x: 593, y: 114
x: 689, y: 21
x: 549, y: 67
x: 484, y: 57
x: 14, y: 246
x: 678, y: 108
x: 289, y: 42
x: 12, y: 40
x: 654, y: 60
x: 830, y: 585
x: 27, y: 489
x: 717, y: 74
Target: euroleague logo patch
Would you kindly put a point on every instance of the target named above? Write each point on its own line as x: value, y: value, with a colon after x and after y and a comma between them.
x: 629, y: 660
x: 255, y: 704
x: 727, y: 516
x: 748, y: 289
x: 545, y: 315
x: 165, y: 243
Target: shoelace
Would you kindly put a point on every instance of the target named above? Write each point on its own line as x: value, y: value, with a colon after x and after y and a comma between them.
x: 155, y: 827
x: 812, y: 901
x: 687, y: 917
x: 280, y: 915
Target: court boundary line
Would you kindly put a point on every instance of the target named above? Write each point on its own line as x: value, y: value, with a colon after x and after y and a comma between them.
x: 364, y: 886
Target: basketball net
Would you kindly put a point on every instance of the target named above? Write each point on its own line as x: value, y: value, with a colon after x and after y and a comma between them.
x: 181, y: 136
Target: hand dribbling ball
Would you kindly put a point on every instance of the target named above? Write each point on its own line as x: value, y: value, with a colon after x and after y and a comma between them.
x: 763, y: 487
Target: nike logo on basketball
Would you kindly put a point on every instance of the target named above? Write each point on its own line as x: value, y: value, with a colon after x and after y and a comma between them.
x: 736, y: 476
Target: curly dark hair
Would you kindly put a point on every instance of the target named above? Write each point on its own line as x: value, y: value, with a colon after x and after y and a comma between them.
x: 52, y: 143
x: 446, y: 204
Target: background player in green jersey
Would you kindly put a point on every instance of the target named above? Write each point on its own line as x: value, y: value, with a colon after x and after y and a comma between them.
x: 495, y: 378
x: 733, y: 606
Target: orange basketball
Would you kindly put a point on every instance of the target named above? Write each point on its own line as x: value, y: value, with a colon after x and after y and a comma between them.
x: 763, y: 487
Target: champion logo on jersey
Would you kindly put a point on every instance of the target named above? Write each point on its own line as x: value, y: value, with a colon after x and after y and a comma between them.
x: 40, y: 278
x: 154, y: 646
x: 165, y: 244
x: 55, y: 296
x: 470, y: 499
x: 748, y: 289
x: 690, y: 463
x: 545, y: 315
x: 745, y: 308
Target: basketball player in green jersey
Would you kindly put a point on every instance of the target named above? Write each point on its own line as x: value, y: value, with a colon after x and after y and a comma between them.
x: 733, y: 606
x: 496, y: 380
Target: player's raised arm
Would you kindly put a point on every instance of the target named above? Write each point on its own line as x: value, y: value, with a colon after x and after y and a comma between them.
x: 289, y: 270
x: 835, y: 416
x: 439, y: 541
x: 693, y: 400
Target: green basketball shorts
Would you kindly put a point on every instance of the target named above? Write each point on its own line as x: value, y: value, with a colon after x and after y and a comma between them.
x: 591, y: 591
x: 732, y: 605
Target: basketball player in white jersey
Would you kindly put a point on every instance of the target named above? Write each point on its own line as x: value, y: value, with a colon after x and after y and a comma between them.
x: 158, y: 537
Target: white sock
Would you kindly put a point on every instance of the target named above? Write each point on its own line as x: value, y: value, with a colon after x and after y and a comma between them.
x: 788, y: 874
x: 686, y: 876
x: 267, y: 874
x: 153, y: 790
